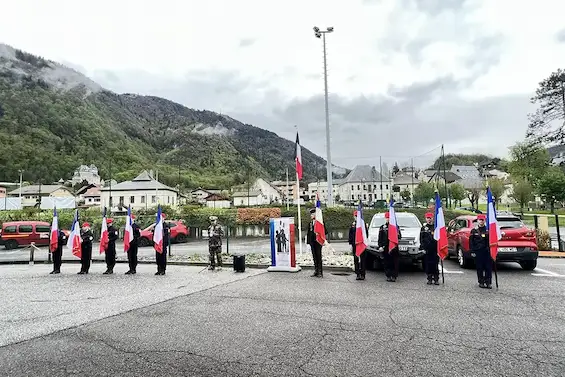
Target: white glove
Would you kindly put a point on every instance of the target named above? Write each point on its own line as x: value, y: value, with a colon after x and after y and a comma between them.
x: 326, y: 243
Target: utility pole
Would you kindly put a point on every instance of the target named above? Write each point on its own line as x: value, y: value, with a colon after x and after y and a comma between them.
x: 445, y: 178
x: 21, y: 181
x: 178, y: 188
x: 412, y: 187
x: 381, y: 174
x: 286, y: 196
x: 322, y: 33
x: 110, y: 191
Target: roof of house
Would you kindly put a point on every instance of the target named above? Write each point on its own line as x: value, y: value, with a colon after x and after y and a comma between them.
x: 364, y: 173
x: 466, y: 171
x: 215, y: 197
x: 448, y: 176
x: 142, y: 182
x: 93, y: 191
x: 405, y: 179
x: 36, y: 189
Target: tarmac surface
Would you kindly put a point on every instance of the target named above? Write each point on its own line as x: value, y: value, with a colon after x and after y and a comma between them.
x: 194, y: 322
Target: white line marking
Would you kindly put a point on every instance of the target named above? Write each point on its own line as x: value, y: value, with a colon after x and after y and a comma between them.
x: 546, y: 272
x: 448, y: 272
x: 547, y: 275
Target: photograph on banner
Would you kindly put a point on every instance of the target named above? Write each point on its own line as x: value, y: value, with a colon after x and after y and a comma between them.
x: 282, y: 241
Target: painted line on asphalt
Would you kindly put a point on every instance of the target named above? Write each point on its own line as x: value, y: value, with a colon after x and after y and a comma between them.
x: 545, y: 273
x: 446, y: 271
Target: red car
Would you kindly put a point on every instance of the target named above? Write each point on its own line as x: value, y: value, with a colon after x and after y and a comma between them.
x: 518, y: 243
x: 179, y: 233
x: 22, y: 233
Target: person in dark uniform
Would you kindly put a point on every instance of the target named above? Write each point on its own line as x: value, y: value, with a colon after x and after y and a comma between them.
x: 479, y: 244
x: 133, y: 247
x: 58, y: 253
x: 429, y: 245
x: 86, y: 248
x: 315, y: 246
x: 111, y: 249
x: 359, y: 262
x: 161, y: 258
x: 390, y: 257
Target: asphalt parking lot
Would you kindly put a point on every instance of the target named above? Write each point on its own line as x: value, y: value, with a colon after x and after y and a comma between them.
x: 193, y: 322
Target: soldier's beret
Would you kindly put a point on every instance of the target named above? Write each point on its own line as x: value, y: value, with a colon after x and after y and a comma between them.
x: 212, y: 218
x: 312, y: 210
x: 429, y: 215
x: 109, y: 220
x: 481, y: 217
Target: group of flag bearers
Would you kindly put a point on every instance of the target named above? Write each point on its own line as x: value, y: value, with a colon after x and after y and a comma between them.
x: 80, y: 243
x: 433, y: 240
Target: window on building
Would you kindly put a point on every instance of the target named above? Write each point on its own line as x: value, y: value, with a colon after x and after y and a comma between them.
x: 132, y: 199
x: 370, y: 196
x: 364, y: 196
x: 153, y: 199
x: 369, y: 187
x: 352, y: 197
x: 352, y: 187
x: 358, y: 187
x: 143, y: 200
x: 25, y: 228
x: 387, y: 187
x: 97, y: 200
x: 381, y: 187
x: 364, y: 187
x: 121, y: 200
x: 168, y: 200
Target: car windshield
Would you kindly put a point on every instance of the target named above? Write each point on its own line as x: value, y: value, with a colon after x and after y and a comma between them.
x: 403, y: 222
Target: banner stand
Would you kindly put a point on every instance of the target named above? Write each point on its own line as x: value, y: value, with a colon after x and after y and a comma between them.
x: 283, y: 245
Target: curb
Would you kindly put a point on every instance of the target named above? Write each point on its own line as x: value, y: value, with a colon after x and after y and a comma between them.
x: 181, y: 263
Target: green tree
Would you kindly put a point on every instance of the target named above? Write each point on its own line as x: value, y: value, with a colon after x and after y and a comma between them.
x: 497, y: 187
x: 552, y: 186
x: 395, y: 168
x: 424, y: 192
x: 457, y: 192
x: 529, y: 160
x: 406, y: 195
x: 550, y: 98
x: 459, y: 159
x: 522, y: 193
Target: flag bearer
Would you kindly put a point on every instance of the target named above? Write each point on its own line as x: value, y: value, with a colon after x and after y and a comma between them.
x: 161, y: 258
x: 111, y: 249
x: 58, y: 254
x: 215, y: 234
x: 133, y: 247
x: 86, y: 248
x: 359, y: 262
x: 391, y: 258
x: 429, y: 245
x: 479, y: 244
x: 315, y: 245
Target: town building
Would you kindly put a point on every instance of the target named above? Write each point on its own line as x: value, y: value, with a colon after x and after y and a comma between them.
x: 142, y: 192
x: 217, y: 201
x: 256, y: 193
x: 200, y: 195
x: 364, y: 183
x: 405, y: 181
x: 31, y: 195
x: 86, y: 173
x: 321, y: 188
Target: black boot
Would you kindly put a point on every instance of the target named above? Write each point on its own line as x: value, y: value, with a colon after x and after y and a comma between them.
x: 81, y: 273
x: 128, y: 273
x: 429, y: 280
x: 358, y: 277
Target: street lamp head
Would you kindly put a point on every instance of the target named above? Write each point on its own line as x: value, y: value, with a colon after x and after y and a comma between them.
x: 330, y: 29
x: 318, y: 35
x: 316, y: 29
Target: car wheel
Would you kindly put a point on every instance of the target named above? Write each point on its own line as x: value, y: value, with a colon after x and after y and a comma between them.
x: 463, y: 262
x: 181, y: 238
x: 11, y: 244
x: 143, y: 242
x: 529, y: 265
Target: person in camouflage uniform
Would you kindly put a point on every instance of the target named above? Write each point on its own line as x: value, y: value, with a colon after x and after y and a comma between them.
x: 215, y: 234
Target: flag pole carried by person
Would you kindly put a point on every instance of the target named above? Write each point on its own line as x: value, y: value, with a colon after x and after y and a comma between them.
x: 74, y: 241
x: 361, y: 241
x: 393, y: 227
x: 494, y: 233
x: 104, y: 233
x: 128, y: 233
x: 54, y: 236
x: 298, y: 160
x: 440, y: 233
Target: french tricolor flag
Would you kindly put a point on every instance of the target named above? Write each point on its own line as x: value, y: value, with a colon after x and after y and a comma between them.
x: 128, y: 233
x: 104, y: 233
x: 74, y: 241
x: 298, y: 158
x: 440, y: 232
x: 392, y: 227
x: 494, y: 233
x: 361, y: 241
x: 54, y: 236
x: 319, y: 223
x: 158, y: 232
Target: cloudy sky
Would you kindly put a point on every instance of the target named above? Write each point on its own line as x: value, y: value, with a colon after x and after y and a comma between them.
x: 405, y: 76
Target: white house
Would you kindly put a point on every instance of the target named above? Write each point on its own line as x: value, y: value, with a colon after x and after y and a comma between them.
x: 322, y: 189
x: 366, y: 183
x: 259, y: 192
x: 199, y: 195
x: 86, y: 173
x: 142, y: 192
x: 404, y: 181
x: 30, y: 195
x: 217, y: 201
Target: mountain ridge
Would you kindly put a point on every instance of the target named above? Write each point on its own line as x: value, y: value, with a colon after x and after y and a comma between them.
x: 65, y: 119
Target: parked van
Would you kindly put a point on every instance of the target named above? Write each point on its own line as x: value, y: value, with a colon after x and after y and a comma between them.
x: 22, y: 233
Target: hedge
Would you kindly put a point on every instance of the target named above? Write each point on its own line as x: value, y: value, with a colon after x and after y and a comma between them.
x: 334, y: 218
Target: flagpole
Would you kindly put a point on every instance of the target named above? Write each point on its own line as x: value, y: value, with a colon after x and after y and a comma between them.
x: 299, y: 216
x: 442, y: 275
x: 495, y: 274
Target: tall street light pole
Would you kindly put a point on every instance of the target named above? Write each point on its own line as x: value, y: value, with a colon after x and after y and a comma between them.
x: 322, y: 34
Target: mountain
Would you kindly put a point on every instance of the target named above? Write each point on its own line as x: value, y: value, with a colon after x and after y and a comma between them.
x: 53, y: 119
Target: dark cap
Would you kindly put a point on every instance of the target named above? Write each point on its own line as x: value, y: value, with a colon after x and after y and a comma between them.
x: 312, y: 210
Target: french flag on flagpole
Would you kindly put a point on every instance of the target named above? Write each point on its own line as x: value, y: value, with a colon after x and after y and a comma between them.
x: 128, y: 233
x: 440, y: 231
x: 494, y: 233
x: 104, y: 233
x: 319, y: 223
x: 298, y: 158
x: 158, y: 232
x: 361, y: 241
x: 74, y: 241
x: 54, y: 236
x: 392, y: 227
